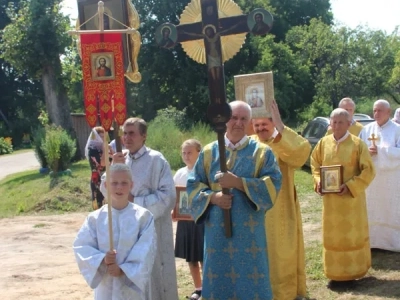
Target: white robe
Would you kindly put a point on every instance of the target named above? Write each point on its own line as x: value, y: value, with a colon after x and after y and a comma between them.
x: 181, y: 176
x: 383, y: 205
x: 135, y: 242
x: 154, y: 189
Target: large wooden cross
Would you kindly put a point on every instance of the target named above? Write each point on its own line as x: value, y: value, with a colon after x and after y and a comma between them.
x: 210, y: 29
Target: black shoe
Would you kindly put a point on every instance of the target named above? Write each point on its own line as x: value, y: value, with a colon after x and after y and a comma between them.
x: 196, y: 295
x: 334, y: 284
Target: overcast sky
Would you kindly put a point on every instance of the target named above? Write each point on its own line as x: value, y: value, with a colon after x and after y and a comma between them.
x: 382, y: 14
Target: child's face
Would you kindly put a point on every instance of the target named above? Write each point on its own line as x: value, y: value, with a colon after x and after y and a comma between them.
x: 189, y: 155
x: 120, y: 185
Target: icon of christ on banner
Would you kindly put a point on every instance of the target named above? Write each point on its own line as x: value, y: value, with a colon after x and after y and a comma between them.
x: 103, y: 66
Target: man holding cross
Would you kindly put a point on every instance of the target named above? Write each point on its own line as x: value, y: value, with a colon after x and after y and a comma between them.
x: 383, y: 140
x: 235, y: 267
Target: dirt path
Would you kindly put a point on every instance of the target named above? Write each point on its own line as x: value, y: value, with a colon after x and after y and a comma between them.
x: 14, y: 163
x: 36, y: 257
x: 37, y: 261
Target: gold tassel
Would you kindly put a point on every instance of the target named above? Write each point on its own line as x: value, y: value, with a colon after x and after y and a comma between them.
x: 120, y: 132
x: 107, y: 136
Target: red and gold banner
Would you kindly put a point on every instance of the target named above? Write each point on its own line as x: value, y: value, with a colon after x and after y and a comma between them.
x: 103, y: 78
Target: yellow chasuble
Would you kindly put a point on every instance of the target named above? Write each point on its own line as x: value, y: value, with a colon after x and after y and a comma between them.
x: 346, y: 254
x: 283, y: 222
x: 354, y: 129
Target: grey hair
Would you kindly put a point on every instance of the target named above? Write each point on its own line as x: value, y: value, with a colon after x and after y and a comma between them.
x: 238, y: 103
x: 347, y: 100
x: 142, y: 125
x: 340, y: 112
x: 382, y: 102
x: 121, y: 168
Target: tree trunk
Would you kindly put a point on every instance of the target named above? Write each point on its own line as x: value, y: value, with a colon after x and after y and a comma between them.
x: 56, y: 99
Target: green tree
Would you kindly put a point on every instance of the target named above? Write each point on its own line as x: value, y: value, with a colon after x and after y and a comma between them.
x: 20, y: 98
x: 288, y: 14
x: 293, y: 85
x: 395, y: 77
x: 343, y: 62
x: 32, y: 44
x: 72, y: 78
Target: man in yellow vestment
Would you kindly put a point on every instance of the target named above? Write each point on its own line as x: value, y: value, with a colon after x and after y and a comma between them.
x: 283, y: 222
x: 349, y: 105
x: 346, y: 252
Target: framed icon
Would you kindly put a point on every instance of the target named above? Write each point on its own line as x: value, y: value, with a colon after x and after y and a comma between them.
x: 182, y: 206
x: 331, y: 179
x: 102, y: 66
x: 257, y: 90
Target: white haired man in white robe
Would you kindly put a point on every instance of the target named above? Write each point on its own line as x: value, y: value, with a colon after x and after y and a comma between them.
x: 383, y: 206
x: 154, y: 189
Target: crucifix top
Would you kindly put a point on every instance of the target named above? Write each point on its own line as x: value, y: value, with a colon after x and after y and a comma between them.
x: 207, y: 19
x: 211, y: 32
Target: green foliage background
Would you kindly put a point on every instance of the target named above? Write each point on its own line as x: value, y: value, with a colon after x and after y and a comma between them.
x: 315, y: 63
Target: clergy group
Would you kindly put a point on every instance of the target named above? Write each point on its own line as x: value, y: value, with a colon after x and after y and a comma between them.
x: 355, y: 170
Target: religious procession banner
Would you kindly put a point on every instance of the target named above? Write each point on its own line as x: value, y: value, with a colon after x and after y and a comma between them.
x: 103, y: 79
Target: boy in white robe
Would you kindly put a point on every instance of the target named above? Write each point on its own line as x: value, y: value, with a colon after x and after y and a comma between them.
x: 125, y: 272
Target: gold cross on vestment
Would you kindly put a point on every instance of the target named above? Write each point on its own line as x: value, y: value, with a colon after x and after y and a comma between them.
x: 210, y: 251
x: 253, y: 250
x: 256, y: 276
x: 373, y: 139
x: 234, y: 297
x: 232, y: 275
x: 211, y: 276
x: 230, y: 250
x: 251, y: 223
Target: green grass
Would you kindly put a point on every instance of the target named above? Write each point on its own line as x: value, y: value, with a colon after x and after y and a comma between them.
x: 314, y: 267
x: 31, y: 192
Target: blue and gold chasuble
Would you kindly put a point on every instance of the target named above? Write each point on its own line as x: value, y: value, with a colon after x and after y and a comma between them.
x: 236, y: 267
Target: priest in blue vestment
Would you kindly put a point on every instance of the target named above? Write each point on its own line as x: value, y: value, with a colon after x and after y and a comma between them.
x: 235, y: 267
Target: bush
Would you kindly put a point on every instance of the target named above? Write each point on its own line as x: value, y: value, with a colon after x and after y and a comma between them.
x: 54, y: 148
x: 39, y: 136
x: 365, y: 106
x: 165, y: 136
x: 179, y: 117
x: 51, y: 147
x: 5, y: 145
x: 202, y: 133
x: 67, y: 150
